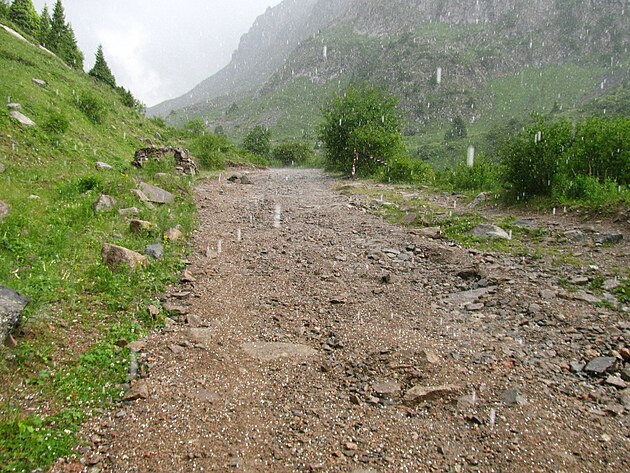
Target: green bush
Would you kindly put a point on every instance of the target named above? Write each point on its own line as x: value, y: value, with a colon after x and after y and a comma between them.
x: 532, y: 158
x: 484, y: 175
x: 92, y: 106
x: 293, y: 153
x: 258, y: 141
x: 56, y: 125
x: 362, y: 119
x: 406, y: 170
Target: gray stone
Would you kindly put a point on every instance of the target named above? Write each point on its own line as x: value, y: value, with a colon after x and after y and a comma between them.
x: 156, y: 194
x: 40, y: 82
x: 22, y: 119
x: 576, y: 236
x: 130, y: 211
x: 577, y: 367
x: 201, y: 335
x: 480, y: 199
x: 4, y: 209
x: 419, y: 394
x: 105, y: 203
x: 195, y: 321
x: 270, y: 351
x: 434, y: 233
x: 611, y: 284
x: 490, y: 231
x: 469, y: 297
x: 155, y: 251
x: 525, y: 223
x: 187, y: 276
x: 115, y: 256
x: 513, y: 397
x: 246, y: 180
x: 14, y: 106
x: 174, y: 309
x: 616, y: 381
x: 624, y: 398
x: 11, y: 306
x: 547, y: 294
x: 103, y: 166
x: 607, y: 238
x: 140, y: 195
x: 600, y: 365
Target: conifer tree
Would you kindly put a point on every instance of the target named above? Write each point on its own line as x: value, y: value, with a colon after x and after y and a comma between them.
x: 101, y: 70
x: 44, y: 25
x: 61, y: 39
x: 24, y: 15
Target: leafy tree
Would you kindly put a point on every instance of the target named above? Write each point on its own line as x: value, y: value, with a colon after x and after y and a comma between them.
x: 4, y: 8
x: 62, y: 40
x: 101, y: 70
x: 293, y: 152
x: 365, y: 119
x: 458, y: 129
x: 24, y: 15
x: 258, y: 140
x: 195, y: 126
x: 44, y: 25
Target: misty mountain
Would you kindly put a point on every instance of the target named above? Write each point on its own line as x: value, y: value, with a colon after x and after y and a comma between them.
x: 486, y: 60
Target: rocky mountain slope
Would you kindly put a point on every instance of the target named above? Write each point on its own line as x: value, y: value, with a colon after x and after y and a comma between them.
x: 442, y: 57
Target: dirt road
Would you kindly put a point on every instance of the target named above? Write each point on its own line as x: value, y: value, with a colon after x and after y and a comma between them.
x: 318, y: 337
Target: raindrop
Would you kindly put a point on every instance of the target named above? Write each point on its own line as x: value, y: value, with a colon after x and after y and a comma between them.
x: 325, y: 52
x: 277, y: 216
x: 219, y: 246
x: 238, y: 234
x: 554, y: 211
x: 470, y: 160
x: 493, y: 417
x: 438, y: 76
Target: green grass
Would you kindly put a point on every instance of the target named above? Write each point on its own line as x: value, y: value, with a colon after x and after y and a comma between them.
x: 70, y: 360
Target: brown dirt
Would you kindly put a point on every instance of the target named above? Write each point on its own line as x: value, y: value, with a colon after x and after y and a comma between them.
x: 377, y: 324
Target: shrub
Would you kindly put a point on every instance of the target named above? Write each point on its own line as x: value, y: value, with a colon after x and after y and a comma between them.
x: 531, y: 158
x: 484, y: 175
x: 210, y: 150
x: 258, y: 140
x: 365, y: 119
x: 293, y: 152
x: 92, y: 106
x: 56, y: 125
x: 405, y: 170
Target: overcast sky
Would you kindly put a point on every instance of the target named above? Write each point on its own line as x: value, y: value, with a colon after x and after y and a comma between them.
x: 160, y: 49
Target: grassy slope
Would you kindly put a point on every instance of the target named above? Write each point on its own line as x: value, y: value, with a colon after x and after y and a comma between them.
x: 67, y: 362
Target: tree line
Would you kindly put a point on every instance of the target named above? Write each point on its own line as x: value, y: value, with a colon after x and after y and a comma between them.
x: 56, y: 34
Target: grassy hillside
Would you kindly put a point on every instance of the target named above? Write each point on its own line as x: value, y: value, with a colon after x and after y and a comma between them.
x: 71, y: 357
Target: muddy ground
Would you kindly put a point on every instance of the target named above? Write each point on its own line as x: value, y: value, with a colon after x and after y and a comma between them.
x: 318, y: 337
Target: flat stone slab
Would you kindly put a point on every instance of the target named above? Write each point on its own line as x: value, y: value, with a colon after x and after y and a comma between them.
x: 270, y: 351
x: 419, y: 394
x: 22, y: 119
x: 11, y: 306
x: 156, y: 195
x: 490, y: 231
x: 469, y: 297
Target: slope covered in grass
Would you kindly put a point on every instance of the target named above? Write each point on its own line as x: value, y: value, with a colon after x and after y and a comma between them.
x: 71, y: 356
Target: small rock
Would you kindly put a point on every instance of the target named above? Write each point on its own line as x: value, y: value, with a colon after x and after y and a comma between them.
x: 176, y: 349
x: 429, y: 356
x: 246, y: 180
x: 114, y: 256
x: 624, y: 398
x: 617, y: 382
x: 139, y: 390
x: 607, y: 238
x: 40, y: 82
x: 139, y: 226
x: 434, y: 233
x: 153, y: 311
x: 577, y: 367
x: 386, y: 278
x: 14, y: 106
x: 194, y: 321
x: 5, y: 209
x: 576, y: 236
x: 140, y: 195
x: 173, y: 234
x: 513, y: 397
x: 611, y: 284
x: 22, y: 119
x: 12, y: 305
x: 156, y: 194
x: 600, y: 365
x: 492, y: 232
x: 137, y: 346
x: 130, y: 211
x: 269, y: 351
x: 419, y: 394
x: 547, y: 294
x: 175, y: 309
x: 101, y: 166
x: 154, y: 251
x: 105, y: 203
x: 387, y: 389
x: 481, y: 198
x: 188, y: 277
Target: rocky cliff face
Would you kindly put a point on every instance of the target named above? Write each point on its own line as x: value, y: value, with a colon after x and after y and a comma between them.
x: 401, y: 44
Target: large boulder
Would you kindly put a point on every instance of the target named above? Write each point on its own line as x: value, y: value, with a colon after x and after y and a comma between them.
x: 11, y: 306
x: 115, y: 256
x: 156, y: 195
x: 490, y: 231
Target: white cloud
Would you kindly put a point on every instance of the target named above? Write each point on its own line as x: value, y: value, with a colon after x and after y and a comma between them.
x: 160, y: 49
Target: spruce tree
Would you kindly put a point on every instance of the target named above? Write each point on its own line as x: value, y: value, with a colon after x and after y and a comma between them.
x: 24, y: 15
x: 44, y: 26
x: 101, y: 70
x: 61, y: 39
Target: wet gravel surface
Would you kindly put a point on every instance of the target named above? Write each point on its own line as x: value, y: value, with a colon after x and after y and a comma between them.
x: 317, y: 337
